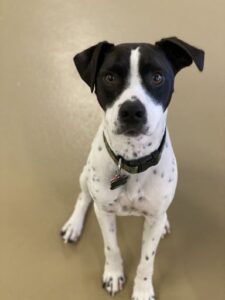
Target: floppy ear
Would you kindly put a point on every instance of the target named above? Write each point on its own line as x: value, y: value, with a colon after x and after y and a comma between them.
x: 181, y: 54
x: 88, y: 61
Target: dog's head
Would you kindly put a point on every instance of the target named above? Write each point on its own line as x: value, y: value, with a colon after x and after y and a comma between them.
x: 134, y: 82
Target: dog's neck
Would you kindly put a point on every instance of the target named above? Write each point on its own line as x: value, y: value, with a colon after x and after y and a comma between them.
x: 135, y: 147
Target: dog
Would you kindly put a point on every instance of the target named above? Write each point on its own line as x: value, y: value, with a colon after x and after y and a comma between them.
x: 131, y: 168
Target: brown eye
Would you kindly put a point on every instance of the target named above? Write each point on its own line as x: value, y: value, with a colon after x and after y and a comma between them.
x: 110, y: 78
x: 157, y: 78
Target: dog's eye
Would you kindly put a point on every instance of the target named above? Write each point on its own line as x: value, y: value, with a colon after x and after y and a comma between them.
x: 110, y: 78
x: 157, y: 78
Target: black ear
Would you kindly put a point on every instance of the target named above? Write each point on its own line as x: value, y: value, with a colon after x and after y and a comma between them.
x: 181, y: 54
x: 89, y: 60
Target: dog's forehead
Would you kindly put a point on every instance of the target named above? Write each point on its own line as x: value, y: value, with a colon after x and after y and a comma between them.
x: 134, y: 66
x: 148, y: 54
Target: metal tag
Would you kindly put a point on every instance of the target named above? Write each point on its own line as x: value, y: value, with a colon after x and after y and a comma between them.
x: 118, y: 179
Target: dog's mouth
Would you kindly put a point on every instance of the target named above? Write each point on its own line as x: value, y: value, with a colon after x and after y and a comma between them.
x: 132, y: 132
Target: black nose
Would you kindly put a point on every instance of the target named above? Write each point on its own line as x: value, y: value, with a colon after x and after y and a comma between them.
x: 132, y: 112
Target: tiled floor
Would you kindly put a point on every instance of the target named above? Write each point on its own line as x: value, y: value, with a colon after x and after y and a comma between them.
x: 47, y: 121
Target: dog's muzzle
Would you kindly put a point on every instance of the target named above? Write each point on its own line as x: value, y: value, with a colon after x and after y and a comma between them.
x: 132, y: 117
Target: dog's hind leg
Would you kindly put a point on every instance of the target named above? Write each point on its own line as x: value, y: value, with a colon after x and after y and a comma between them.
x: 73, y: 227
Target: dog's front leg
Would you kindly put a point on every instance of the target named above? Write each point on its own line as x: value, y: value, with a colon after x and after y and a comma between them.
x: 113, y: 276
x: 153, y: 229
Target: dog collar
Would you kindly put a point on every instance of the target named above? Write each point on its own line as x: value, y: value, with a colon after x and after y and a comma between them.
x: 137, y: 165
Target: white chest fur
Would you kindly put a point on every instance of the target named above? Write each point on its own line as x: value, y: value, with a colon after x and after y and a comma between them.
x: 148, y: 193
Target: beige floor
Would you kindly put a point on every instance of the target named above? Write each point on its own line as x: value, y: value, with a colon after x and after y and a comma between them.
x: 47, y: 121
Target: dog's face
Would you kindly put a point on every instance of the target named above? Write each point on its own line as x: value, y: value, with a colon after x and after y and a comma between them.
x: 134, y: 82
x: 134, y: 86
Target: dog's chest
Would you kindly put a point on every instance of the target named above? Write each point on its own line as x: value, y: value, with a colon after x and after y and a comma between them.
x: 147, y: 194
x: 138, y: 197
x: 137, y: 204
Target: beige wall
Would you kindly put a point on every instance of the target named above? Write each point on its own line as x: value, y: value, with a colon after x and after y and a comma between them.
x: 47, y: 121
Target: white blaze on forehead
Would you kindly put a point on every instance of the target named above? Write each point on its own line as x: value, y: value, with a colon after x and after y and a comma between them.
x: 134, y: 66
x: 135, y: 90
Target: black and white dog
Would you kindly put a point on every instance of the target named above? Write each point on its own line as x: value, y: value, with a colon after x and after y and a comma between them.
x: 131, y: 168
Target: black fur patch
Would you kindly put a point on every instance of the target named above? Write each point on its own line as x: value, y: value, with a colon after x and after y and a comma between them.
x: 117, y: 62
x: 166, y: 57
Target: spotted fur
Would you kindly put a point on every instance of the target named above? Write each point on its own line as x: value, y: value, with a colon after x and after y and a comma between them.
x: 148, y: 194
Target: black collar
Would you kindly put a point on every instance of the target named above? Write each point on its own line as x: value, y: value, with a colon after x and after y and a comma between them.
x: 137, y: 165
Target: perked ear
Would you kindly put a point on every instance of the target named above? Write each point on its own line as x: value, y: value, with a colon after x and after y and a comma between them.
x: 181, y: 54
x: 88, y: 61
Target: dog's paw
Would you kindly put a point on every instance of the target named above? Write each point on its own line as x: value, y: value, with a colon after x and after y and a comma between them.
x: 143, y: 294
x: 113, y: 281
x: 166, y: 229
x: 143, y: 297
x: 71, y: 231
x: 143, y: 289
